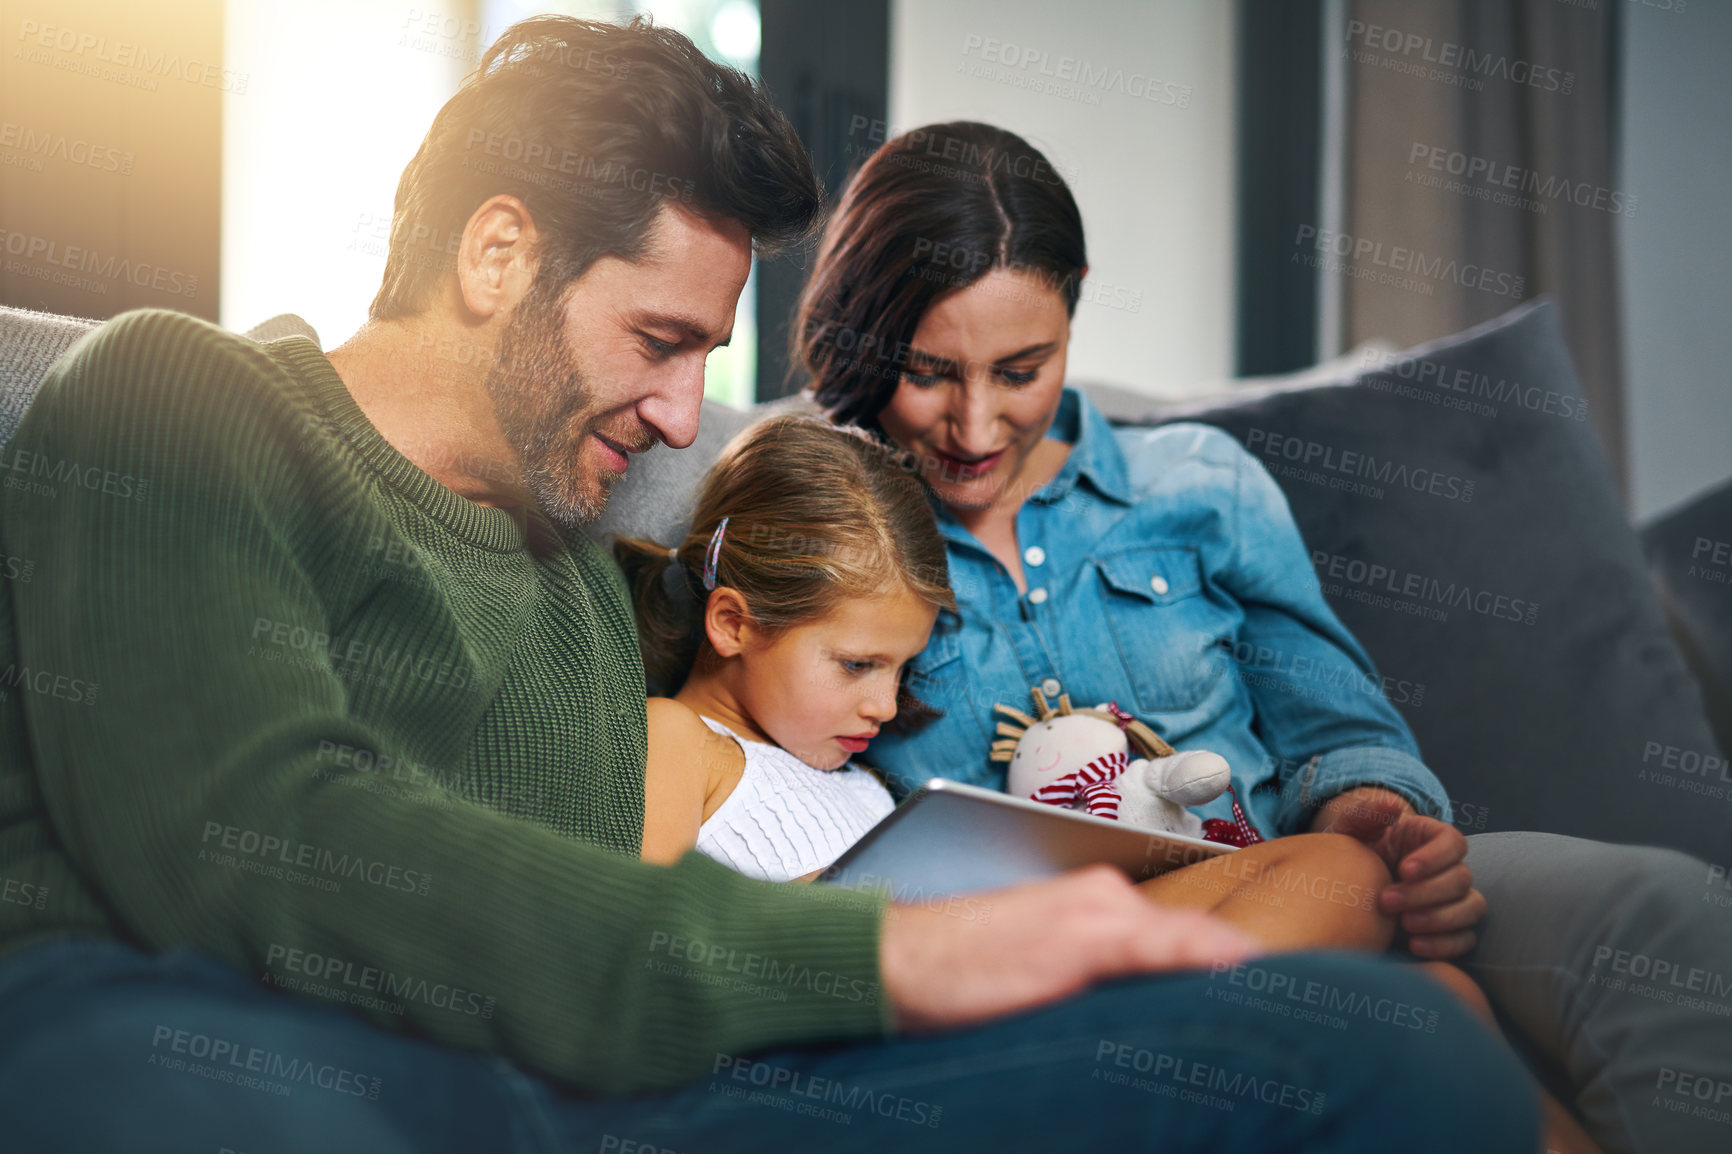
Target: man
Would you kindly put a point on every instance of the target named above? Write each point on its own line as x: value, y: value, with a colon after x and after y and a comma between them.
x: 316, y: 700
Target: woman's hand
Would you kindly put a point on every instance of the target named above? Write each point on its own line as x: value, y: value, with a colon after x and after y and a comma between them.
x: 1433, y: 893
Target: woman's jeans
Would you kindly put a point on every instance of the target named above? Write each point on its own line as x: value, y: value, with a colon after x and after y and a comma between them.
x: 105, y: 1048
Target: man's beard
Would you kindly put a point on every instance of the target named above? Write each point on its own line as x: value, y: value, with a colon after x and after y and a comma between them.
x: 546, y: 412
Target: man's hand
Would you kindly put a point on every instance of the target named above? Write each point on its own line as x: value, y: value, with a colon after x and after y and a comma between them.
x: 1036, y: 943
x: 1433, y: 892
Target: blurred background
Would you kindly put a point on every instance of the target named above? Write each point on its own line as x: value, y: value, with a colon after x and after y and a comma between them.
x: 1265, y: 183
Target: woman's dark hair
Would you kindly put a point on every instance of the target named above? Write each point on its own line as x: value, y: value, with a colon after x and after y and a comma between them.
x: 595, y: 127
x: 929, y: 213
x: 816, y: 514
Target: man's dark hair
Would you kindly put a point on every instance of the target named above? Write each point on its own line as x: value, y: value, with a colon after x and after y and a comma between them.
x: 595, y: 127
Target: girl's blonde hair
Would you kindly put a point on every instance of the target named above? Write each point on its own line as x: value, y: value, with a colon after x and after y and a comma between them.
x: 816, y: 514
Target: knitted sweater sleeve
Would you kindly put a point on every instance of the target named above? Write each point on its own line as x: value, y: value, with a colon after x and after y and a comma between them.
x: 185, y: 790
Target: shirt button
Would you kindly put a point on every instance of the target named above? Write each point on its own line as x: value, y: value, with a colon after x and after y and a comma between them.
x: 1158, y: 583
x: 1051, y: 687
x: 1034, y: 555
x: 1037, y: 596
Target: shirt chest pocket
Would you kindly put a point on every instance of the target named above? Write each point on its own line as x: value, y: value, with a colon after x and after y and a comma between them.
x: 935, y: 675
x: 954, y: 745
x: 1166, y: 632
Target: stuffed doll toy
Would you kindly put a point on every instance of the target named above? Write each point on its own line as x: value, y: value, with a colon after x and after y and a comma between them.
x: 1083, y: 759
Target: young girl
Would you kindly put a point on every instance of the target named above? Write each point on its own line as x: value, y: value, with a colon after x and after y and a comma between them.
x: 812, y: 573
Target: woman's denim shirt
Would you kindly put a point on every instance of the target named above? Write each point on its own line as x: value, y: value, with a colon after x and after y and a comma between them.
x: 1165, y: 573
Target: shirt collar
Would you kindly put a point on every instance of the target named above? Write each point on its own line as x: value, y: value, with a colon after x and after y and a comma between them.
x: 1094, y: 454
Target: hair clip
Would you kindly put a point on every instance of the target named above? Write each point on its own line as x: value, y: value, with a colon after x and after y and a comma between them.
x: 713, y: 556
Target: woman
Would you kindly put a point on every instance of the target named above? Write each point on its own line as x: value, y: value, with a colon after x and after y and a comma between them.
x: 1162, y: 569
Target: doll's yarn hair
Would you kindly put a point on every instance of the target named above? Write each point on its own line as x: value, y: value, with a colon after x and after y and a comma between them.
x: 817, y: 514
x: 1144, y: 741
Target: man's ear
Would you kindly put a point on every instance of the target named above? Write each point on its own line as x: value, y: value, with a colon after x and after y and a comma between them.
x: 728, y: 622
x: 496, y: 260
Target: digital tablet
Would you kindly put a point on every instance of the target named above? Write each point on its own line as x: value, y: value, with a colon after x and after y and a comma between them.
x: 951, y: 838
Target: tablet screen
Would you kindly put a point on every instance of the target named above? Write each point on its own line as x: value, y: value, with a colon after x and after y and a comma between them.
x: 950, y: 838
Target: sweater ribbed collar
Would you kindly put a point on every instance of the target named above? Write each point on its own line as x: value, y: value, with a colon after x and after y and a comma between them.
x: 483, y: 525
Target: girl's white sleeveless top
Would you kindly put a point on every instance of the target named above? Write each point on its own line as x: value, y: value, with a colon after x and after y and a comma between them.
x: 786, y: 819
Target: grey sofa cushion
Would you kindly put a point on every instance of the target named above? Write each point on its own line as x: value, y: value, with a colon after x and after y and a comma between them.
x: 1690, y: 553
x: 30, y: 342
x: 1465, y: 528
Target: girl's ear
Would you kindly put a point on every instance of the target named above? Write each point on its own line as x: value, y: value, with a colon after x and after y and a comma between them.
x: 727, y: 621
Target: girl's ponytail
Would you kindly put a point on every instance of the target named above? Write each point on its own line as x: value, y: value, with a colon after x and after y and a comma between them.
x: 668, y: 603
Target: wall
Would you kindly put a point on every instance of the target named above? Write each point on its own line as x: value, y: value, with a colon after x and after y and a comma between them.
x: 1677, y: 249
x: 1153, y: 176
x: 110, y: 123
x: 339, y: 99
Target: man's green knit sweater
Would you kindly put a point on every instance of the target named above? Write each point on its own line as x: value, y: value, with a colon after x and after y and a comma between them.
x: 270, y: 691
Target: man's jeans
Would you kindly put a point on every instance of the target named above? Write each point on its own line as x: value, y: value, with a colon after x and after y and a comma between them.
x: 105, y: 1048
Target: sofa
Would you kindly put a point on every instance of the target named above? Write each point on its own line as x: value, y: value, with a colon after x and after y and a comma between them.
x: 1559, y: 670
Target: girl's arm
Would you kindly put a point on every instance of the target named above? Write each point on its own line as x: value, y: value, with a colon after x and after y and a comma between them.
x: 690, y: 771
